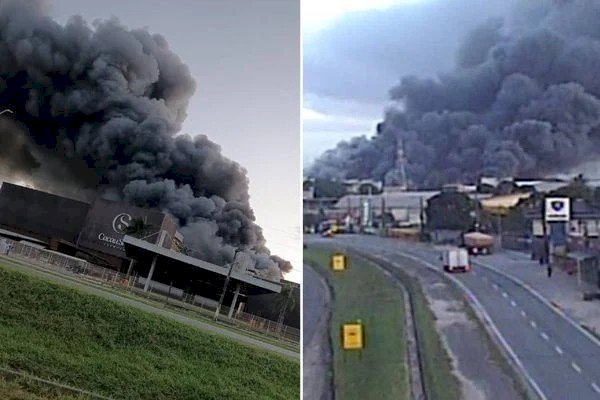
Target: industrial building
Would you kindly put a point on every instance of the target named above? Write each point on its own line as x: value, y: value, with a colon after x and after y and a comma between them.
x: 93, y: 231
x: 97, y: 232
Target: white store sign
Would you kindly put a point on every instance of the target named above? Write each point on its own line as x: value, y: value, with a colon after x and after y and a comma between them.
x: 557, y: 209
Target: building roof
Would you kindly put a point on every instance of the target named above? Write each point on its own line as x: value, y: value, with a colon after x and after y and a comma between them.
x: 396, y: 199
x: 18, y: 236
x: 504, y: 201
x: 542, y: 186
x: 137, y: 248
x: 391, y: 199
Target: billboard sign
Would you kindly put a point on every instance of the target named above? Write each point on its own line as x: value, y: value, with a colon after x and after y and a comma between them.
x: 557, y: 209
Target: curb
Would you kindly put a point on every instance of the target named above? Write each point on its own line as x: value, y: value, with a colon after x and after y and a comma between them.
x: 326, y: 320
x: 552, y: 305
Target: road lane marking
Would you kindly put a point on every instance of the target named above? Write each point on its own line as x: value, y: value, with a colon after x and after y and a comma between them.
x: 523, y: 313
x: 504, y: 294
x: 482, y: 311
x: 595, y: 387
x: 512, y: 303
x: 533, y: 324
x: 558, y: 350
x: 544, y: 336
x: 576, y: 367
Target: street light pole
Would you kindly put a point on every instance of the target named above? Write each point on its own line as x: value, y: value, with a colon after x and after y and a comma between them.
x: 218, y: 310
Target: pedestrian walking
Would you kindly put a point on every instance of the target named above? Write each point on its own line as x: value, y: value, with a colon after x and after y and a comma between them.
x: 549, y: 271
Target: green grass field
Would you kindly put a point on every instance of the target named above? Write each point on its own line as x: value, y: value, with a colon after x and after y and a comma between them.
x: 61, y: 334
x: 362, y: 292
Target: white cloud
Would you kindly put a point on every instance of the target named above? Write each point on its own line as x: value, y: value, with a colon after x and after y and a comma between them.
x: 317, y: 14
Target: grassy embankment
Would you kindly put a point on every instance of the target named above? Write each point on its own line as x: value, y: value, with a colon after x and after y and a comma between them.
x: 364, y: 293
x: 153, y: 299
x: 361, y: 280
x: 61, y: 334
x: 440, y: 382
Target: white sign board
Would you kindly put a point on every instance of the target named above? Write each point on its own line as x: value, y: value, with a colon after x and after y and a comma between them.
x: 558, y: 209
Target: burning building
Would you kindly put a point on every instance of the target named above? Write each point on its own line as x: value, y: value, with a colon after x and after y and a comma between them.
x: 96, y: 115
x: 522, y: 100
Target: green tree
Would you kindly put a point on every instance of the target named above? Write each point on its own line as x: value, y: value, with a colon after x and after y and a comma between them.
x: 138, y: 228
x: 329, y: 188
x: 576, y: 189
x: 286, y: 300
x: 368, y: 188
x: 450, y: 211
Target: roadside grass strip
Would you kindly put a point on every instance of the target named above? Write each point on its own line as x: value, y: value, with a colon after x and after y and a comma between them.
x: 362, y: 292
x: 440, y: 381
x: 63, y: 335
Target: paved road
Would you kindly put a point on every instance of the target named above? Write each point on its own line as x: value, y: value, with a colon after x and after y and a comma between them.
x: 560, y: 359
x: 315, y: 330
x: 481, y: 377
x: 316, y: 299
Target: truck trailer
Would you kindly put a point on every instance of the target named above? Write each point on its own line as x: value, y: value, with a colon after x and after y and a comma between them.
x: 478, y: 243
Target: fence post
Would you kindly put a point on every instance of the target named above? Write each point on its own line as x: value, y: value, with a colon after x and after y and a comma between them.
x: 169, y: 293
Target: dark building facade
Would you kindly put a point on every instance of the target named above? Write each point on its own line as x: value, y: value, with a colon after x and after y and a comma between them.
x: 92, y: 231
x: 40, y: 215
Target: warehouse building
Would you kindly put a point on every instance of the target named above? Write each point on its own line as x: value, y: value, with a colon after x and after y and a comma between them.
x: 93, y: 231
x: 97, y: 232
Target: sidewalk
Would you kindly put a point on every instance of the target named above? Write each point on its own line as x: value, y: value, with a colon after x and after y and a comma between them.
x: 561, y: 289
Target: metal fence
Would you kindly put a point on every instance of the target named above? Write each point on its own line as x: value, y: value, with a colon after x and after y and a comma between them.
x: 133, y: 284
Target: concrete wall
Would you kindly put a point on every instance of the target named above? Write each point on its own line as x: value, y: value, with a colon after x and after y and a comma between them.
x: 39, y: 214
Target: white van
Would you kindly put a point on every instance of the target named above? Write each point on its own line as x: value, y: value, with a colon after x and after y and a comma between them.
x: 456, y: 259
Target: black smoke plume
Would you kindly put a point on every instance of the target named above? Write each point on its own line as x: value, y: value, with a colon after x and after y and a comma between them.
x: 96, y: 112
x: 522, y: 100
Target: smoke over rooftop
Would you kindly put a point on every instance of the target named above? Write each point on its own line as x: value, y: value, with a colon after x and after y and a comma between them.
x: 97, y: 112
x: 522, y: 100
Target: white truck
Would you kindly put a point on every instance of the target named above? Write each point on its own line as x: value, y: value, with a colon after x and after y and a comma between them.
x: 456, y: 259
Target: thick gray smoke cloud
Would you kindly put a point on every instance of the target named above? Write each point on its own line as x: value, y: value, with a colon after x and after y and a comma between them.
x: 522, y: 100
x: 96, y: 113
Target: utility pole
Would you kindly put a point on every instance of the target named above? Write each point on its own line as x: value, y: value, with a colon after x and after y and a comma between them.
x: 546, y: 247
x: 421, y: 218
x: 383, y: 214
x: 218, y: 310
x: 499, y: 230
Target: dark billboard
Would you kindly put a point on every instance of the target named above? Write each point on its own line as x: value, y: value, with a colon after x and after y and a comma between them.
x: 39, y: 214
x: 106, y: 222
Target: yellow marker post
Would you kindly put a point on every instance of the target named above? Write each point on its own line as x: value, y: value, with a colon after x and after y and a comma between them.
x: 338, y: 262
x: 353, y: 336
